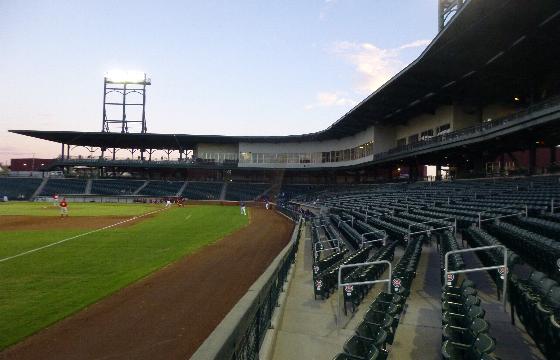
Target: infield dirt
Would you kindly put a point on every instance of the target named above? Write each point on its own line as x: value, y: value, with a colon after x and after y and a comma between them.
x: 20, y: 222
x: 171, y: 312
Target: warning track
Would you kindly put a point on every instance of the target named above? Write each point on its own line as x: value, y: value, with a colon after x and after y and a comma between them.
x: 169, y: 314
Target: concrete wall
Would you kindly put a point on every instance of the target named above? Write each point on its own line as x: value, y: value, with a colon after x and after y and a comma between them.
x: 443, y: 115
x: 494, y: 111
x: 309, y: 146
x: 218, y: 148
x: 384, y: 140
x: 464, y: 117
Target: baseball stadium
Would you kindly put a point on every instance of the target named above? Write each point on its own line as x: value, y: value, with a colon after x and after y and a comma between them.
x: 422, y: 224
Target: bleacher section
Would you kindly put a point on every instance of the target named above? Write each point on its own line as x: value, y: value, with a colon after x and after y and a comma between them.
x: 64, y: 186
x: 18, y: 188
x: 161, y: 188
x: 517, y: 213
x: 202, y: 190
x: 115, y: 187
x: 245, y: 192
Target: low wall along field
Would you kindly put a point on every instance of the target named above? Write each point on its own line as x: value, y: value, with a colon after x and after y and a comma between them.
x: 52, y: 267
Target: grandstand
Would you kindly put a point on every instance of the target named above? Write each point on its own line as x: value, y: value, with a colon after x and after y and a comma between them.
x: 387, y: 266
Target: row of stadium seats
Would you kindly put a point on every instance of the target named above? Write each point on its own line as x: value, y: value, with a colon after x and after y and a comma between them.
x: 354, y: 294
x: 64, y: 186
x: 539, y: 251
x: 18, y: 188
x: 161, y: 188
x: 534, y: 297
x: 245, y: 192
x: 202, y: 191
x: 536, y: 300
x: 382, y: 318
x: 115, y: 187
x: 464, y: 330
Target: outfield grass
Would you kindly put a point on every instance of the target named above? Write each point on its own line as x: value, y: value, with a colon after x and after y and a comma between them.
x: 75, y: 209
x: 42, y: 287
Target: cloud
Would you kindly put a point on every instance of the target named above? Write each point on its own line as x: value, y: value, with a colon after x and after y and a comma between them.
x: 374, y: 65
x: 329, y: 99
x: 415, y: 44
x: 326, y: 8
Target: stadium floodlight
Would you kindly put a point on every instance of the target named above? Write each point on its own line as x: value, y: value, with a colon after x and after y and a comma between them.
x: 121, y: 91
x: 126, y: 77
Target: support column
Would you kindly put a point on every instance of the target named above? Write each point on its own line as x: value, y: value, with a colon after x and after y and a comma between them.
x: 68, y: 151
x: 552, y: 155
x: 62, y: 152
x: 438, y: 172
x: 532, y: 159
x: 502, y: 163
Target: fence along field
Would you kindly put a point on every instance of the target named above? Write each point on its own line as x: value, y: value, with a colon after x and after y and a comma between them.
x: 49, y: 281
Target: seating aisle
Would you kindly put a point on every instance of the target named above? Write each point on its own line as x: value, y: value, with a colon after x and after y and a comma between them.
x: 512, y: 342
x: 418, y: 335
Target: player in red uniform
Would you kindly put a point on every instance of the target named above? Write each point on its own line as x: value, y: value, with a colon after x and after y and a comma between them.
x: 63, y: 208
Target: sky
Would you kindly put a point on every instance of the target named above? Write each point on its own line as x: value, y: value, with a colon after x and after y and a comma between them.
x: 240, y: 67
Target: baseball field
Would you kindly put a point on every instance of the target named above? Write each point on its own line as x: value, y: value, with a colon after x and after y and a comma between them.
x: 52, y: 267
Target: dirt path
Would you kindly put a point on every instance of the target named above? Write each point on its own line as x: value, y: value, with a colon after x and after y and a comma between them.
x: 22, y: 222
x: 169, y: 314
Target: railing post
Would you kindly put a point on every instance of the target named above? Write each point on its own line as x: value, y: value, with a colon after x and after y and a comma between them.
x: 479, y: 220
x: 506, y: 274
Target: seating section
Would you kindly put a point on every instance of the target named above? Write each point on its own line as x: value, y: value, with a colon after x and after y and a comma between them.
x: 115, y: 187
x: 245, y: 192
x: 64, y: 187
x: 517, y: 214
x: 202, y: 190
x: 161, y: 188
x: 354, y: 294
x: 380, y: 322
x: 447, y: 243
x: 540, y: 252
x: 18, y: 188
x: 465, y: 333
x: 536, y: 300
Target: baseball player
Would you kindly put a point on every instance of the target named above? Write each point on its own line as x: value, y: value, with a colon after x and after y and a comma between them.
x: 63, y: 208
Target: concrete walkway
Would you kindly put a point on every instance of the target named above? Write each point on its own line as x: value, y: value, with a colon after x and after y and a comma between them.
x: 308, y: 327
x: 418, y: 335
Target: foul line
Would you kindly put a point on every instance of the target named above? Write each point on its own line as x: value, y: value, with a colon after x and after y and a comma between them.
x: 77, y: 236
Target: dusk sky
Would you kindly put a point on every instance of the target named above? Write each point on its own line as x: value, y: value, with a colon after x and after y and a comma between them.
x: 217, y: 67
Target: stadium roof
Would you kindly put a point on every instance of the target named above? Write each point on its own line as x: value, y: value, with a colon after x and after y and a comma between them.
x: 489, y: 50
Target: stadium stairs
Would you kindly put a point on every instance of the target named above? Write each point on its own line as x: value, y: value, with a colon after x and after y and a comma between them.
x: 223, y: 192
x: 40, y: 188
x: 137, y: 191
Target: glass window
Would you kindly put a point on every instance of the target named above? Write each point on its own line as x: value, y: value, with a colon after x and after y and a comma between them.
x: 426, y: 133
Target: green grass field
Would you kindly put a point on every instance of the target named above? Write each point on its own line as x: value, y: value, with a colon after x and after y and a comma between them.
x: 42, y: 287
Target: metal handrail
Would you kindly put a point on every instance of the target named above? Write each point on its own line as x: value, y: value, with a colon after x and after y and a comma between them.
x: 341, y: 284
x: 481, y: 220
x: 504, y: 266
x: 336, y: 247
x: 363, y: 236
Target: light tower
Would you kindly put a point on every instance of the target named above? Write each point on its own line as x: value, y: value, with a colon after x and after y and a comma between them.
x: 446, y: 10
x: 122, y: 91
